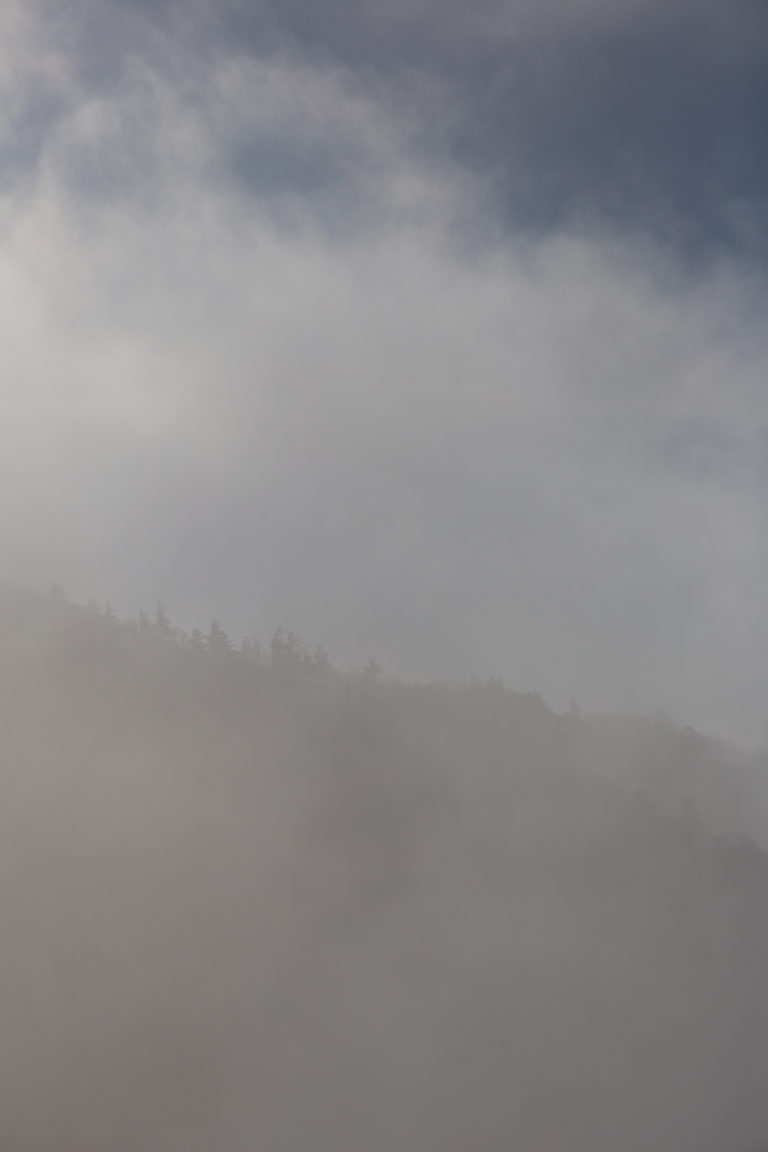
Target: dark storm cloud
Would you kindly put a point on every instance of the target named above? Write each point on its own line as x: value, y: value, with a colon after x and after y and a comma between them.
x: 632, y: 114
x: 656, y: 120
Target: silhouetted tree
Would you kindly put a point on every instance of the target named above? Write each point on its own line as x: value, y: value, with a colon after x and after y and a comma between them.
x: 250, y: 649
x: 317, y: 661
x: 276, y: 647
x: 162, y: 626
x: 372, y: 670
x: 217, y: 641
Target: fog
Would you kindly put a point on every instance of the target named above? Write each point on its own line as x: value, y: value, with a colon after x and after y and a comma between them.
x: 437, y: 336
x: 250, y: 899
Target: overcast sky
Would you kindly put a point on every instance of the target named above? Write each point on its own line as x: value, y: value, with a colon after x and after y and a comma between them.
x: 432, y: 331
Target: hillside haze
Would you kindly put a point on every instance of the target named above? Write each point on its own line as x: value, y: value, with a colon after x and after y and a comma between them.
x: 249, y: 900
x: 433, y: 332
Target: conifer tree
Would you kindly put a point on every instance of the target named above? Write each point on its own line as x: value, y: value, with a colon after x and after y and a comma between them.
x: 162, y: 626
x: 217, y: 641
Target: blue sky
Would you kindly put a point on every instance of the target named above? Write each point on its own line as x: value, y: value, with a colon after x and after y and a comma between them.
x: 430, y: 333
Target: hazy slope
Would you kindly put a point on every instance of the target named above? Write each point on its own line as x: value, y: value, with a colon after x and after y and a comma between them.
x: 254, y: 907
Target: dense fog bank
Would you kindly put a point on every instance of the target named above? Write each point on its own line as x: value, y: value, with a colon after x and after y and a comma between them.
x: 250, y: 901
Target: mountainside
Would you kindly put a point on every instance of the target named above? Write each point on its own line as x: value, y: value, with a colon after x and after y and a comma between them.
x: 251, y: 901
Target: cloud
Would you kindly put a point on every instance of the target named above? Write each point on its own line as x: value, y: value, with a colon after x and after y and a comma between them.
x: 636, y: 114
x: 644, y: 113
x: 265, y: 355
